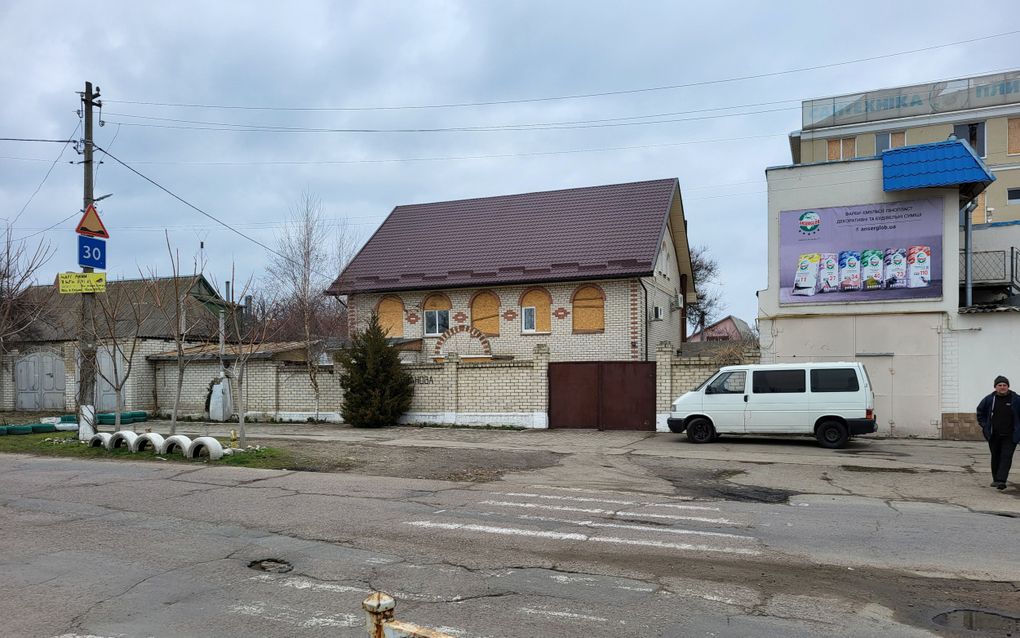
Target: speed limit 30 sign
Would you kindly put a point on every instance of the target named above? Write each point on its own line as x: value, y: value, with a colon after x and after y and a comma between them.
x: 91, y: 252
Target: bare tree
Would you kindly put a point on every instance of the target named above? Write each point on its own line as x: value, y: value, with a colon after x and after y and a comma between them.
x: 706, y: 279
x: 20, y: 308
x: 170, y: 301
x: 308, y: 258
x: 251, y: 325
x: 121, y: 312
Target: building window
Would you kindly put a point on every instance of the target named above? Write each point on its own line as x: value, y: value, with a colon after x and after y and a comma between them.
x: 1013, y: 136
x: 485, y: 313
x: 391, y: 316
x: 528, y: 319
x: 974, y: 134
x: 437, y: 315
x: 842, y: 149
x: 589, y: 310
x: 885, y: 141
x: 535, y: 311
x: 1013, y: 195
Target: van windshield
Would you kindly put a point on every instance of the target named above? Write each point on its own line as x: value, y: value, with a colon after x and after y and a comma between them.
x: 703, y: 383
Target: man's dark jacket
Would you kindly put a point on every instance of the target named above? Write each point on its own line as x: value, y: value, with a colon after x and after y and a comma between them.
x: 984, y: 414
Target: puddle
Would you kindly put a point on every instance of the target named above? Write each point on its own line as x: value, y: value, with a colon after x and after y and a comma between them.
x: 271, y: 565
x: 977, y: 620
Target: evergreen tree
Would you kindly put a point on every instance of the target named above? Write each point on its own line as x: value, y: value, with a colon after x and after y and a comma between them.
x: 377, y: 389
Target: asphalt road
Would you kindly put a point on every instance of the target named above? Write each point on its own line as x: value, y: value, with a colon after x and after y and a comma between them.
x: 138, y: 549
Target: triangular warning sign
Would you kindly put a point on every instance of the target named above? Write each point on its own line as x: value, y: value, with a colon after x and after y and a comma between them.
x: 91, y: 225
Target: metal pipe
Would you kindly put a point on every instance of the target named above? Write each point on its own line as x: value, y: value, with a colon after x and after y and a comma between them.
x: 968, y: 250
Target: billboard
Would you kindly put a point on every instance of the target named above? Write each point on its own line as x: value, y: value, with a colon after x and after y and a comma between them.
x: 873, y: 252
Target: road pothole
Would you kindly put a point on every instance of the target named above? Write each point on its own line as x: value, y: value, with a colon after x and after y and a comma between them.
x: 271, y: 565
x: 977, y: 620
x: 865, y: 468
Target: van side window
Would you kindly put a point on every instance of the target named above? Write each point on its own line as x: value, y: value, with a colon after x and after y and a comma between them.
x: 778, y: 381
x: 728, y: 383
x: 834, y: 380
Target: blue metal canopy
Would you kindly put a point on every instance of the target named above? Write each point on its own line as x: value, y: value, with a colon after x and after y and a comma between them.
x: 941, y: 164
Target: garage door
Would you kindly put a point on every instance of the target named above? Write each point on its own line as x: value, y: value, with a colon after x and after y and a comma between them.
x: 39, y: 378
x: 604, y: 395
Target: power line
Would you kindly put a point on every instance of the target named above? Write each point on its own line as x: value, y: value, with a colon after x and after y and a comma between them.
x: 201, y: 125
x: 199, y: 210
x: 33, y: 139
x: 47, y: 175
x: 576, y: 96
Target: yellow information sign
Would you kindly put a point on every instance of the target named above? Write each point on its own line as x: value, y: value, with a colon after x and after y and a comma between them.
x: 79, y: 282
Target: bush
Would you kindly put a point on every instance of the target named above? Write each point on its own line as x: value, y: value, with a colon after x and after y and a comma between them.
x: 377, y: 389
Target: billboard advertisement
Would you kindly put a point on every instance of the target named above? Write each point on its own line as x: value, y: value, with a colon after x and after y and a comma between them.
x: 873, y: 252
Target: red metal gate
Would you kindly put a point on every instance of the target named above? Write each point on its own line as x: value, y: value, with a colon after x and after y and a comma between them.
x: 607, y: 395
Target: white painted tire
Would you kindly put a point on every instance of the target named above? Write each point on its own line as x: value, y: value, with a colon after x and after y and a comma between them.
x: 211, y: 446
x: 148, y: 442
x: 101, y: 439
x: 175, y: 443
x: 121, y: 439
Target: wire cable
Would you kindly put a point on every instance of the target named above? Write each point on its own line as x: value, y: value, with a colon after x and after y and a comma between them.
x: 203, y: 212
x: 33, y: 139
x: 47, y: 175
x: 576, y: 96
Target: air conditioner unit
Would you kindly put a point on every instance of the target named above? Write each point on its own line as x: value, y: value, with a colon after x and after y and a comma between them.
x: 676, y: 303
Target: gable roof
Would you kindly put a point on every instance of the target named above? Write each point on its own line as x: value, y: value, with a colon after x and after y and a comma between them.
x: 743, y: 330
x: 599, y: 232
x: 61, y: 314
x: 949, y: 163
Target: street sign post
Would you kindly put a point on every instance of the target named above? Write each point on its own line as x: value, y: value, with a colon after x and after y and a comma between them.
x: 91, y: 225
x: 81, y: 282
x: 91, y: 252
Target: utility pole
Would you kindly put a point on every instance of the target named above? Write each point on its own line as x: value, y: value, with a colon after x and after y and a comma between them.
x: 86, y: 333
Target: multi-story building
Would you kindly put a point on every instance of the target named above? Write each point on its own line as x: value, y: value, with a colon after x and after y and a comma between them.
x: 984, y: 111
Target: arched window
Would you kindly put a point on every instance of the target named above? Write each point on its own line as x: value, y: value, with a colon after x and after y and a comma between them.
x: 391, y: 316
x: 589, y: 309
x: 437, y: 314
x: 485, y: 313
x: 535, y: 313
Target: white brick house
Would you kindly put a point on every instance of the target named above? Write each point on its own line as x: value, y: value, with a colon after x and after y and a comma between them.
x: 597, y: 273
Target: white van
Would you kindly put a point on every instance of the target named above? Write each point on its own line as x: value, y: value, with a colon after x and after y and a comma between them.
x: 831, y: 401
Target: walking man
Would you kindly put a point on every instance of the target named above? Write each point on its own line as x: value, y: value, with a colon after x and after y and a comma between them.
x: 999, y: 417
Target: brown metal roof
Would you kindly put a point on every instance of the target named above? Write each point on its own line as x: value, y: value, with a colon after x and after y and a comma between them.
x: 579, y: 233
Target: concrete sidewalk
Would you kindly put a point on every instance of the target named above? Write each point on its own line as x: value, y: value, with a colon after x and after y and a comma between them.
x: 917, y: 454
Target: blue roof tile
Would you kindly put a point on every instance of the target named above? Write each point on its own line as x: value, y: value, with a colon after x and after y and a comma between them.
x: 941, y: 164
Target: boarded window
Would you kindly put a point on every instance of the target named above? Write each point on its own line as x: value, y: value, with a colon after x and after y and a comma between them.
x: 391, y: 316
x: 589, y: 310
x: 833, y: 150
x: 849, y: 147
x: 485, y: 313
x: 539, y: 300
x: 842, y: 149
x: 899, y: 139
x: 1013, y: 136
x: 885, y: 141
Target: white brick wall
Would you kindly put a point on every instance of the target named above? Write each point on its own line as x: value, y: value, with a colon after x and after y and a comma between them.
x: 622, y: 339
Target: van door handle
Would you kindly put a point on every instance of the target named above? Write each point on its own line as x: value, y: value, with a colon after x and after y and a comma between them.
x: 745, y: 398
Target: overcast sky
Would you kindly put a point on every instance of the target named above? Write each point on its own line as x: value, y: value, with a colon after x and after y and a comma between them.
x: 350, y: 65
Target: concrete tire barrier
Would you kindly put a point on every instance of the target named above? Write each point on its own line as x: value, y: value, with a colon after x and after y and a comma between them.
x: 175, y: 443
x: 212, y: 448
x: 150, y: 441
x: 121, y: 439
x: 100, y: 439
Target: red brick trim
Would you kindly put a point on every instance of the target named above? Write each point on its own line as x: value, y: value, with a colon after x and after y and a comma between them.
x: 473, y: 332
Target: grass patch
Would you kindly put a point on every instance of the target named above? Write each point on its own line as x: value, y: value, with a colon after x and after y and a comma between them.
x: 66, y: 445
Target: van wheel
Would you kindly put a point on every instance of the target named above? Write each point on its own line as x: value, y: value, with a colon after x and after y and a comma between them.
x: 832, y: 434
x: 700, y: 431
